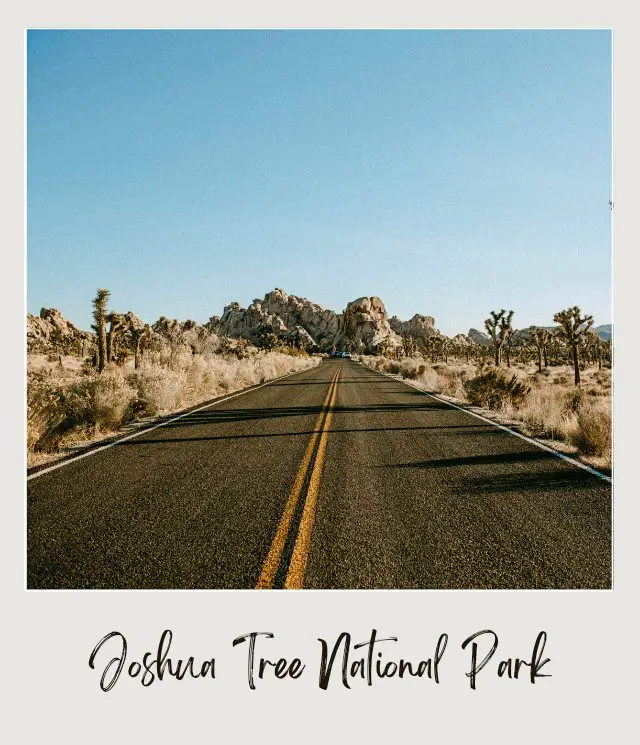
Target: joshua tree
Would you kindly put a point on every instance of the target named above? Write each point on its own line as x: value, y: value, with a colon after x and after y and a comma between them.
x: 591, y: 345
x: 408, y: 345
x: 541, y: 339
x: 99, y: 316
x: 141, y: 336
x: 499, y: 327
x: 508, y: 342
x: 445, y: 346
x: 169, y: 329
x: 555, y: 347
x: 117, y: 324
x: 573, y: 325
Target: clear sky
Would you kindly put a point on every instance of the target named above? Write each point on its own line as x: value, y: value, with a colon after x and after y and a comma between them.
x: 448, y: 172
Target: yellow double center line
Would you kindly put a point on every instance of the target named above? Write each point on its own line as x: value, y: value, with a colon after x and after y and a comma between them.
x: 298, y: 563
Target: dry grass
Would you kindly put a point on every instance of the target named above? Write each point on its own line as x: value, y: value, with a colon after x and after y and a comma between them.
x: 592, y: 435
x: 575, y: 422
x: 436, y: 378
x: 67, y: 406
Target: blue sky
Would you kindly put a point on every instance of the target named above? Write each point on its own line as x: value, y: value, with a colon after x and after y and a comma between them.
x: 449, y: 172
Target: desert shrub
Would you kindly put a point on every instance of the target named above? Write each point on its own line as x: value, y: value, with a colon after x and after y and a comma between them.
x: 293, y: 351
x: 592, y: 435
x: 561, y: 379
x: 393, y: 367
x: 45, y: 412
x: 494, y: 388
x: 547, y: 410
x: 188, y: 379
x: 430, y: 379
x: 413, y: 373
x: 168, y: 379
x: 451, y: 380
x: 438, y: 378
x: 112, y: 398
x: 574, y: 399
x: 602, y: 378
x: 55, y: 408
x: 158, y: 388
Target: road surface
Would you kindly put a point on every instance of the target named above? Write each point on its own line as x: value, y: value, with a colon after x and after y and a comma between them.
x: 336, y: 477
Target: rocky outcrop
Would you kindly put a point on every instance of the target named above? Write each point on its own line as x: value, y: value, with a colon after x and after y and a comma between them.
x: 462, y: 340
x: 250, y: 323
x: 132, y: 320
x: 364, y: 326
x: 52, y: 333
x: 320, y: 324
x: 479, y: 337
x: 421, y: 328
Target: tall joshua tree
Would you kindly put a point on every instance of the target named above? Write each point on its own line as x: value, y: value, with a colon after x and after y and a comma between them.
x: 499, y: 328
x: 573, y: 325
x: 100, y: 317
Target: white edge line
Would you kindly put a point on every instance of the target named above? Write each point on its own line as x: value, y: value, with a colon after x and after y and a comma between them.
x: 93, y: 451
x: 537, y: 443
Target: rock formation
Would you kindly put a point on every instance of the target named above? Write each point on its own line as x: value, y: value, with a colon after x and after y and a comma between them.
x: 320, y: 324
x: 462, y: 340
x: 479, y: 337
x: 420, y: 328
x: 52, y: 333
x: 364, y: 326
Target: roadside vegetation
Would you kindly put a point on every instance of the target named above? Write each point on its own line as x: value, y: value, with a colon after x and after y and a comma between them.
x: 551, y: 384
x: 134, y: 371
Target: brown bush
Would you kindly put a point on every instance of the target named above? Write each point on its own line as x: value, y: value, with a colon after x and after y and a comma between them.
x: 592, y: 435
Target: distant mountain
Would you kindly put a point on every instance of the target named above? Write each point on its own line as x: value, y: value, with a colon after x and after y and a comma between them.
x: 479, y: 337
x: 605, y: 331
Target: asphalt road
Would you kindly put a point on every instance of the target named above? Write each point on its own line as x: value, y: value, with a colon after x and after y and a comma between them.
x: 337, y: 477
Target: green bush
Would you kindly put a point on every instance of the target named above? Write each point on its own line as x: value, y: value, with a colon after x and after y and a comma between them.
x: 494, y: 388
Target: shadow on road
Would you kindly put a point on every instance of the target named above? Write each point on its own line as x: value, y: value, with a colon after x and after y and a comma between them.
x: 554, y: 480
x: 463, y: 431
x: 562, y: 476
x: 218, y: 415
x: 476, y: 460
